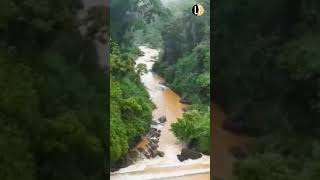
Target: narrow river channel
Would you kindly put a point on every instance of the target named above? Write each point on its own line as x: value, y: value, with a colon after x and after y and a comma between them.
x: 167, y: 104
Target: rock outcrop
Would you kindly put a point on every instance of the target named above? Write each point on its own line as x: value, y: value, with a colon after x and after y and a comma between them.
x: 150, y: 150
x: 184, y: 101
x: 162, y: 119
x: 188, y: 154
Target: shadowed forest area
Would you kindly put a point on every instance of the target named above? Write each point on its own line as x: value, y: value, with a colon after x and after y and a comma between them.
x: 53, y: 92
x: 266, y: 77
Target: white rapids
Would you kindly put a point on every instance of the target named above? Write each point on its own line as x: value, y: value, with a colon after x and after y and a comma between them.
x: 167, y: 104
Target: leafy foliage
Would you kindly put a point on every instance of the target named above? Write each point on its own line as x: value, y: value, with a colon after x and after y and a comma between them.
x: 131, y: 108
x: 137, y: 22
x: 186, y: 58
x: 267, y: 67
x: 52, y: 113
x: 16, y: 157
x: 194, y: 127
x: 265, y: 166
x: 185, y: 64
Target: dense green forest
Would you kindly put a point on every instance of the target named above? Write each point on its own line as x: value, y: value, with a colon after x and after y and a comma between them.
x: 130, y: 108
x: 130, y: 105
x: 137, y: 22
x: 149, y: 22
x: 266, y: 77
x: 53, y: 94
x: 185, y: 64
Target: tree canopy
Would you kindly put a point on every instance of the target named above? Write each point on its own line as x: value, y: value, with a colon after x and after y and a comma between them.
x: 53, y: 94
x: 266, y: 77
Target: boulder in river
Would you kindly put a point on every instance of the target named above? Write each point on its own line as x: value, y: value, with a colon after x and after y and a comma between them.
x: 162, y: 119
x: 141, y: 53
x: 181, y: 158
x: 184, y: 101
x: 160, y: 88
x: 188, y: 154
x: 160, y: 153
x: 153, y: 153
x: 154, y: 140
x: 157, y: 134
x: 154, y: 133
x: 147, y: 154
x: 153, y: 145
x: 153, y: 122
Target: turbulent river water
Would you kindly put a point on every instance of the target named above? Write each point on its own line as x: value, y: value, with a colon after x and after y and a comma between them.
x: 167, y: 104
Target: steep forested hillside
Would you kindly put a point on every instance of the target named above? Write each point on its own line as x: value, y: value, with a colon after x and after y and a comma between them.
x: 53, y: 94
x: 130, y: 108
x: 267, y: 78
x: 133, y: 23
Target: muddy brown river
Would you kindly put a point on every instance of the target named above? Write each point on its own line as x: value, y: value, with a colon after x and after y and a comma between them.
x: 167, y: 104
x: 169, y: 167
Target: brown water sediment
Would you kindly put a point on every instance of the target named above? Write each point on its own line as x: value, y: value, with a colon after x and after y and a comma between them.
x: 167, y: 104
x: 169, y: 167
x: 222, y: 142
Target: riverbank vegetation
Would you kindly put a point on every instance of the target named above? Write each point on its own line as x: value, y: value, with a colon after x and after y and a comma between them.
x: 194, y: 128
x: 185, y: 65
x: 267, y: 79
x: 53, y: 94
x: 154, y: 24
x: 130, y: 106
x: 132, y: 23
